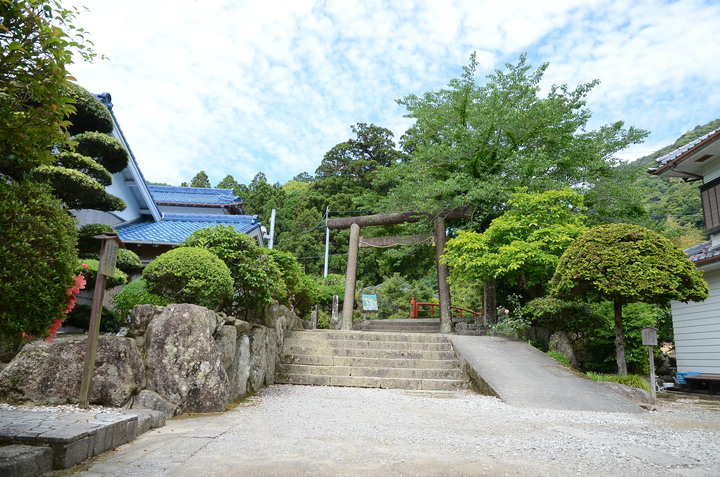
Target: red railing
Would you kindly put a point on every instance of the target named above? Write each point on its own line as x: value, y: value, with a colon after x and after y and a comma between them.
x: 415, y: 309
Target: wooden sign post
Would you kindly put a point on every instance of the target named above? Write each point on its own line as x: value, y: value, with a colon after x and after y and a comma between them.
x: 106, y: 267
x: 649, y: 339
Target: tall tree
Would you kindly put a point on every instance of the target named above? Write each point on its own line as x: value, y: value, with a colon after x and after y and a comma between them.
x: 474, y: 144
x: 626, y: 264
x: 228, y: 182
x: 200, y: 180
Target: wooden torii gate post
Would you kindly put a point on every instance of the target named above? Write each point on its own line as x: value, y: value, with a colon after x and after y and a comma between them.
x: 355, y: 223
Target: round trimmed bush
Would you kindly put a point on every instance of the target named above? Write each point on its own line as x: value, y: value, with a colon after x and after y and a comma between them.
x: 91, y: 114
x: 135, y: 293
x: 190, y: 275
x: 77, y: 189
x: 86, y: 165
x: 87, y: 243
x: 38, y: 258
x: 106, y: 150
x: 128, y: 261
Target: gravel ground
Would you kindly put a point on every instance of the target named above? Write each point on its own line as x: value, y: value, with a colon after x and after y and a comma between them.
x: 303, y: 430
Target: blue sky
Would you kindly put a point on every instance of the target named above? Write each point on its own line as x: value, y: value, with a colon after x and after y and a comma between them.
x: 240, y: 87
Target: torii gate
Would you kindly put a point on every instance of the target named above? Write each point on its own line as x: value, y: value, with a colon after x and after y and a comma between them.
x: 354, y: 224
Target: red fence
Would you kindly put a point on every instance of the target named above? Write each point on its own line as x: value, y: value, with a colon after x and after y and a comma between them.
x: 415, y: 309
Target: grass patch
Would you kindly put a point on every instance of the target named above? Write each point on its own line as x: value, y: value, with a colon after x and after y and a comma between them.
x: 632, y: 380
x: 559, y: 357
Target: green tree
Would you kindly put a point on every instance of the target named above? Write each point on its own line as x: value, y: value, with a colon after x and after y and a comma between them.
x: 474, y: 144
x: 200, y: 180
x: 37, y: 42
x: 523, y: 245
x: 626, y: 263
x: 228, y: 182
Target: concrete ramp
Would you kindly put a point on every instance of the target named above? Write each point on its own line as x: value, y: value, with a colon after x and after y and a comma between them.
x: 524, y: 376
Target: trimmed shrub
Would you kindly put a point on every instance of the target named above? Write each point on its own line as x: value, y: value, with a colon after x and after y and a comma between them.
x: 87, y: 243
x: 128, y: 261
x: 135, y: 293
x: 90, y: 274
x: 257, y: 279
x: 106, y: 150
x: 110, y: 320
x: 301, y: 291
x: 84, y: 164
x: 190, y: 275
x: 38, y: 258
x: 76, y: 189
x: 91, y: 114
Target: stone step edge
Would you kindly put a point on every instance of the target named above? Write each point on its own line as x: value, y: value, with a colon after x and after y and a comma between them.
x: 406, y: 363
x: 374, y: 382
x: 369, y: 345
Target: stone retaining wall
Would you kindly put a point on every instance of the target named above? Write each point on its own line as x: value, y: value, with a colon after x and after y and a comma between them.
x: 176, y: 359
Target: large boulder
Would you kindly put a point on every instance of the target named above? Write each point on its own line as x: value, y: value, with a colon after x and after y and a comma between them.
x: 183, y: 362
x: 51, y: 372
x: 560, y: 342
x: 239, y: 371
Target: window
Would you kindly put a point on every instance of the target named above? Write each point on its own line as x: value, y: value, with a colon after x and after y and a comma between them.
x: 710, y: 194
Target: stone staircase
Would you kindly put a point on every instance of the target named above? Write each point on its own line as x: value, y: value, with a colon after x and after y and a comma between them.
x: 368, y: 359
x: 405, y: 325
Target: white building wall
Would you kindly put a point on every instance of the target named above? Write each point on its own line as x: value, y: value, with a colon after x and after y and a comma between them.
x: 697, y: 330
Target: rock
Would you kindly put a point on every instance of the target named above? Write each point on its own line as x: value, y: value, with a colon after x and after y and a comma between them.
x: 51, y: 372
x: 140, y: 318
x: 146, y: 419
x: 633, y: 394
x: 241, y: 326
x: 560, y: 342
x: 239, y: 371
x: 183, y: 362
x: 225, y: 339
x: 151, y: 400
x: 258, y: 357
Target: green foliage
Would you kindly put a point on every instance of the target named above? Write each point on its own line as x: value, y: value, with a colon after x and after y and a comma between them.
x: 135, y: 293
x: 76, y: 189
x: 90, y: 114
x: 632, y: 380
x: 256, y: 277
x: 474, y: 144
x: 521, y: 246
x: 200, y: 180
x: 106, y: 150
x: 628, y: 263
x: 110, y: 320
x: 559, y: 357
x: 37, y: 43
x: 87, y: 243
x: 395, y: 293
x: 90, y: 274
x: 576, y: 316
x: 128, y: 261
x: 301, y: 291
x: 333, y: 284
x: 38, y: 258
x: 84, y: 164
x: 190, y: 275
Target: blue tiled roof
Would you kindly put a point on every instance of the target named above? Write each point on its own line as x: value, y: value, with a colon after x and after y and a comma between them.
x: 193, y: 195
x: 175, y: 228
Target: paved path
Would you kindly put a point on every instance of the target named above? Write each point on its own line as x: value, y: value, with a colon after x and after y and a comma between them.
x: 291, y: 430
x: 524, y: 376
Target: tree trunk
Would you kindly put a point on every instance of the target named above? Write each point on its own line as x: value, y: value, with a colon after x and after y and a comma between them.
x: 489, y: 304
x: 619, y: 343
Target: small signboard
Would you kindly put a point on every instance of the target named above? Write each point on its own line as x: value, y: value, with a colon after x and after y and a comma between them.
x: 108, y: 254
x: 369, y: 302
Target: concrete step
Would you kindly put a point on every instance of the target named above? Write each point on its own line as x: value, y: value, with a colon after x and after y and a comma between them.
x: 371, y: 362
x: 370, y: 359
x: 374, y: 382
x: 370, y: 371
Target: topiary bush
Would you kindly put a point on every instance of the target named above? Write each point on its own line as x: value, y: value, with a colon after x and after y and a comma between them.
x: 90, y: 274
x: 106, y: 150
x: 257, y: 279
x: 128, y: 261
x: 87, y: 243
x: 84, y: 164
x: 77, y: 189
x: 38, y: 258
x: 190, y: 275
x: 110, y: 320
x: 135, y: 293
x: 90, y: 115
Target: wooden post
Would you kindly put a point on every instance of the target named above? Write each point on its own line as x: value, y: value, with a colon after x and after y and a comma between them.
x: 106, y: 266
x: 350, y: 277
x: 442, y: 274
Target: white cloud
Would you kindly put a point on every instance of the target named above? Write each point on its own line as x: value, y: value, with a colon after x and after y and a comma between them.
x: 243, y: 87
